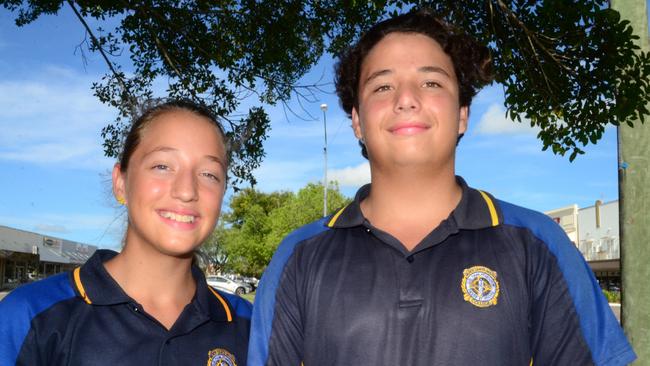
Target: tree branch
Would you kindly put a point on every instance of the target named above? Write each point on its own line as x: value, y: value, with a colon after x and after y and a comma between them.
x: 96, y: 43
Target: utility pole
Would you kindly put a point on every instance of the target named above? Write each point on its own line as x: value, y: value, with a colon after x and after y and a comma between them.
x: 634, y: 200
x: 323, y: 107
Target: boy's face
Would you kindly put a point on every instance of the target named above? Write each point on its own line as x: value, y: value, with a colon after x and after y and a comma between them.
x: 409, y: 112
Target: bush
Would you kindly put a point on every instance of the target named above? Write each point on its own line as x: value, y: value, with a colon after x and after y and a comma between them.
x: 612, y: 296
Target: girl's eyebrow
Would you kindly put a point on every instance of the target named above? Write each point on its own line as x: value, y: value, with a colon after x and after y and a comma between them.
x: 216, y: 160
x: 212, y: 158
x: 160, y: 149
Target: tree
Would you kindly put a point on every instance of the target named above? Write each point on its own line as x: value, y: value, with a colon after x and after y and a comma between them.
x: 213, y: 251
x: 634, y: 219
x: 307, y: 206
x: 570, y: 67
x: 256, y: 223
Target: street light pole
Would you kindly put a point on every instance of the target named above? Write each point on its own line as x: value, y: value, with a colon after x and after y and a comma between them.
x: 323, y: 107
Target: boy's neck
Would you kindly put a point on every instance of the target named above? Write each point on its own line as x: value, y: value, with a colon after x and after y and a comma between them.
x: 411, y: 204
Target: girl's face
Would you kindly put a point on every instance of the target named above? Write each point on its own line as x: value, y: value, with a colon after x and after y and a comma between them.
x: 174, y: 183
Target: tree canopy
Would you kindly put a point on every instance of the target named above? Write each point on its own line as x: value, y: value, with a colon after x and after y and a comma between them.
x: 256, y: 223
x: 569, y: 67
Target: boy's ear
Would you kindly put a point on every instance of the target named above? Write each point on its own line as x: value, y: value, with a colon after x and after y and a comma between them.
x: 356, y: 124
x: 462, y: 119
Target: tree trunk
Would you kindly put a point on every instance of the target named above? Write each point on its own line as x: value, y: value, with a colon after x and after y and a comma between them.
x: 634, y: 206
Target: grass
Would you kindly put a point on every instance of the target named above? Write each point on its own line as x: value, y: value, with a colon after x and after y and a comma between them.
x: 250, y: 297
x: 613, y: 296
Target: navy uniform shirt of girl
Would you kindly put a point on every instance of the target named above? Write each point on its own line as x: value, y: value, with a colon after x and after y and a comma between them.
x: 85, y: 318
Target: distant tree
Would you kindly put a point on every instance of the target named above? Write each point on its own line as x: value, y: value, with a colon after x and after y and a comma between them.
x: 213, y: 251
x: 256, y: 223
x: 305, y: 207
x: 569, y: 67
x: 242, y: 202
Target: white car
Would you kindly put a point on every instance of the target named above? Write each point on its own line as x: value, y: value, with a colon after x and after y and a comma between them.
x: 227, y: 285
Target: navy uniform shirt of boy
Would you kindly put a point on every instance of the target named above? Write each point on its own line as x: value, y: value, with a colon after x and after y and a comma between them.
x: 148, y: 304
x: 421, y: 269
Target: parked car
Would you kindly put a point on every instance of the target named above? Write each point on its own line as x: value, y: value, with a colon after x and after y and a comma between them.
x: 252, y: 281
x: 228, y: 285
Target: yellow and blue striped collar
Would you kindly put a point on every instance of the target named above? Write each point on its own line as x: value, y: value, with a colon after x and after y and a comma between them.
x: 95, y: 286
x: 476, y: 210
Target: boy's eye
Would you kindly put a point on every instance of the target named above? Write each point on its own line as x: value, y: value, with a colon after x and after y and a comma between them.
x: 382, y: 88
x: 431, y: 84
x: 160, y: 167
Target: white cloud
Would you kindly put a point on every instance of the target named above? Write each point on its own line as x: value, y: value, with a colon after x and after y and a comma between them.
x: 495, y: 121
x: 291, y: 175
x: 354, y: 176
x: 52, y: 118
x: 71, y: 221
x: 50, y: 228
x: 49, y: 152
x: 489, y: 95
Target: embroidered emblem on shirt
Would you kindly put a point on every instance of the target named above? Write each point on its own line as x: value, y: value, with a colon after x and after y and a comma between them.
x: 221, y: 357
x: 480, y: 286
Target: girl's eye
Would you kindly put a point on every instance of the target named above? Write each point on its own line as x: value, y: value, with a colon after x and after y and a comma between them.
x: 211, y: 176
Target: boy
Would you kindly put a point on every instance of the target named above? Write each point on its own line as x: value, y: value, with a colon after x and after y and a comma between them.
x: 421, y: 269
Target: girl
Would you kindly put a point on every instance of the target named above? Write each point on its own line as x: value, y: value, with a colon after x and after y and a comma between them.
x: 148, y: 304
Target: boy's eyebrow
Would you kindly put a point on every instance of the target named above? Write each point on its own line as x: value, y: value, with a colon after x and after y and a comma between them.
x: 424, y: 69
x: 436, y: 69
x: 377, y: 74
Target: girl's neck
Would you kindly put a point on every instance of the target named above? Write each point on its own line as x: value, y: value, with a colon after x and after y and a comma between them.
x: 162, y: 284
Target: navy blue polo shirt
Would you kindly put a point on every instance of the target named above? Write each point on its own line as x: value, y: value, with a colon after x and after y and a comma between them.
x: 85, y: 318
x: 493, y: 284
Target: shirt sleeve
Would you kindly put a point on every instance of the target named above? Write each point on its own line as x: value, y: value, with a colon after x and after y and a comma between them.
x: 286, y: 341
x: 570, y: 319
x: 277, y: 328
x: 20, y: 344
x: 276, y: 331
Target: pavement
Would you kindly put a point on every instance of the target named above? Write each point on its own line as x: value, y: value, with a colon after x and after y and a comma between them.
x: 3, y: 294
x: 616, y: 308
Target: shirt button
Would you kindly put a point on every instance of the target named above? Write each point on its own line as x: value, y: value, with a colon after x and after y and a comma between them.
x: 368, y: 230
x: 410, y: 259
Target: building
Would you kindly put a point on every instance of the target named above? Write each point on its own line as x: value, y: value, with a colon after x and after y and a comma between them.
x: 26, y: 256
x: 595, y: 231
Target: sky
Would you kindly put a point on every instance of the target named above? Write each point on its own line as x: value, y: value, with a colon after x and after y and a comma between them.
x: 55, y: 179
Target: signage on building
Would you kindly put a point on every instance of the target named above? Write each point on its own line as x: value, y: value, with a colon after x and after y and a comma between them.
x: 53, y: 244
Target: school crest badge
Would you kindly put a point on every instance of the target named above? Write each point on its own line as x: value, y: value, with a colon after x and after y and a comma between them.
x: 221, y: 357
x: 480, y: 286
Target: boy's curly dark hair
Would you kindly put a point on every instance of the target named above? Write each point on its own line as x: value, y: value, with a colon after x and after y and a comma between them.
x: 471, y: 60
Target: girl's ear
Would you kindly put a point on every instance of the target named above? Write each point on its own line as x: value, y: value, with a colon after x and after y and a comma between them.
x: 119, y: 190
